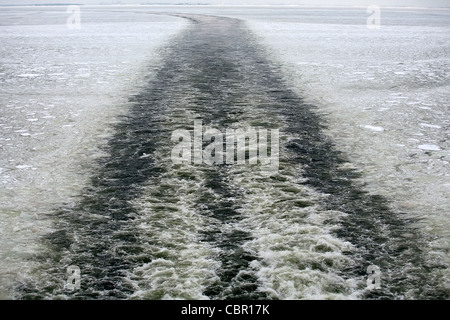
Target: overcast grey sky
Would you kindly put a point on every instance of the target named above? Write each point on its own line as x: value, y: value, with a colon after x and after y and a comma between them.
x: 416, y: 3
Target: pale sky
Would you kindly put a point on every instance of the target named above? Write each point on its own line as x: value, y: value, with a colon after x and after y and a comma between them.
x: 412, y: 3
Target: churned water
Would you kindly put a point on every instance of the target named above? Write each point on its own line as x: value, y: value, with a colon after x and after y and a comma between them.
x: 88, y: 177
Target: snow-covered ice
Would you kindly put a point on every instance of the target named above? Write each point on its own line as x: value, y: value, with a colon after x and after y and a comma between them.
x: 54, y: 84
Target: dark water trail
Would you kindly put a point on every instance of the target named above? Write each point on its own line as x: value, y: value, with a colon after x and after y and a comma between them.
x: 216, y: 71
x: 382, y: 236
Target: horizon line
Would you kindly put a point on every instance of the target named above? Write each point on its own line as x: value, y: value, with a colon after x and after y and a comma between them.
x: 210, y: 5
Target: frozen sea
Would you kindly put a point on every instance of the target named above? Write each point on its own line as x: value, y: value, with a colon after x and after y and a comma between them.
x: 364, y: 171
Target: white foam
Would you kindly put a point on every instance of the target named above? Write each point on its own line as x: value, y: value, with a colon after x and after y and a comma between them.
x: 434, y: 126
x: 430, y: 147
x: 23, y: 166
x: 374, y: 128
x: 29, y: 75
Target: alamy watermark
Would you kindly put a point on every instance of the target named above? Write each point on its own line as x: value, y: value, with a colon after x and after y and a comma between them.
x: 374, y: 19
x: 374, y: 279
x: 231, y: 147
x: 74, y: 20
x: 73, y: 278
